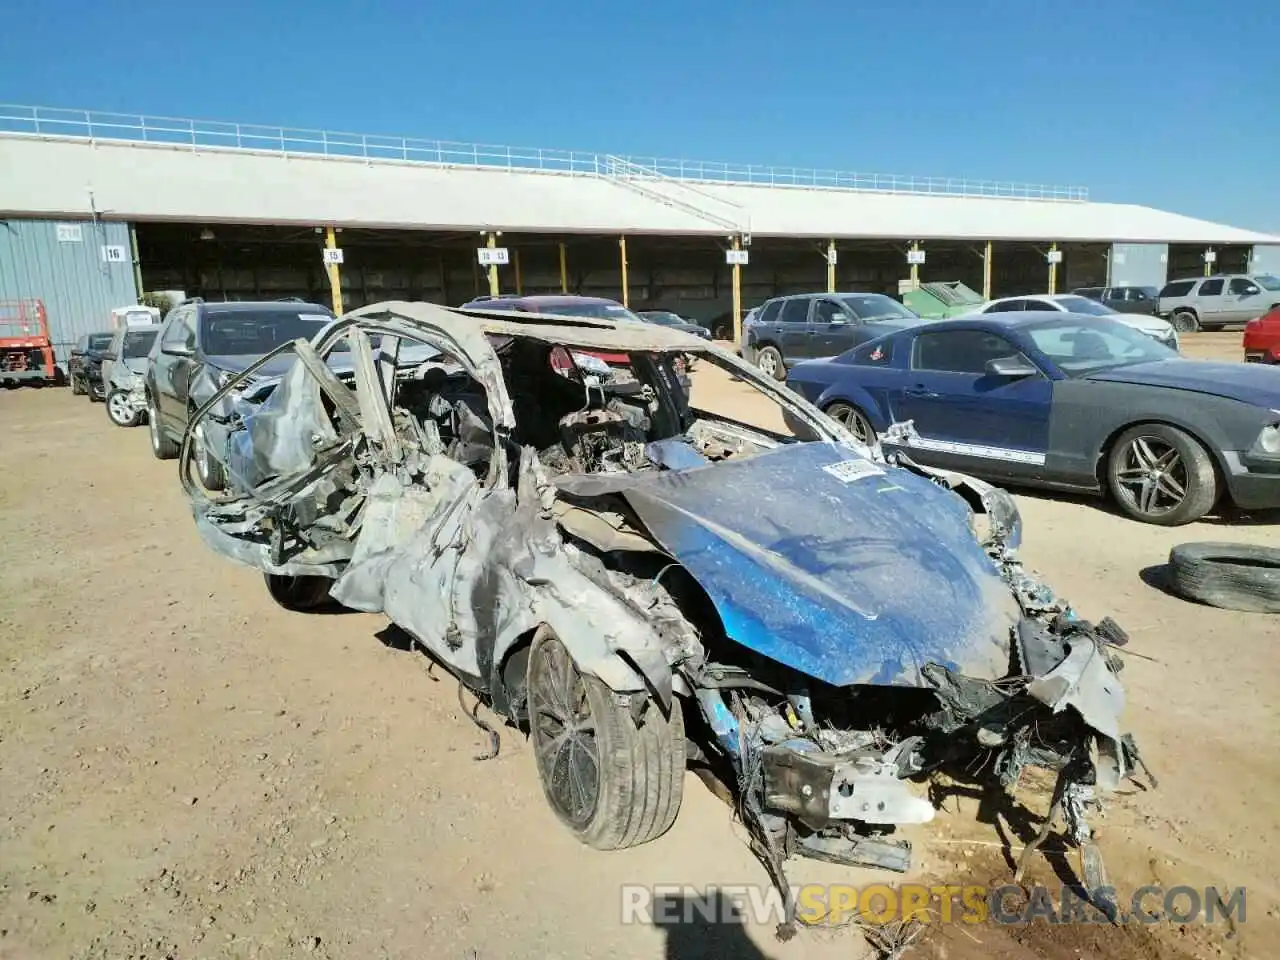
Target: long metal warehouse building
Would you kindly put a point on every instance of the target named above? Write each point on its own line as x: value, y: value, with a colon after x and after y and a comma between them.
x: 97, y: 207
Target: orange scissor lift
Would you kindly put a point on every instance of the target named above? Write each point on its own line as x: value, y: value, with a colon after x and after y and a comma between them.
x: 25, y: 350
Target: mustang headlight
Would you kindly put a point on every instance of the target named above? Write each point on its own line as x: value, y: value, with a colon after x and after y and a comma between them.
x: 1268, y: 442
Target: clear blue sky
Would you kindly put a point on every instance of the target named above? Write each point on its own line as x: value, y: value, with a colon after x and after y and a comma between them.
x: 1173, y: 103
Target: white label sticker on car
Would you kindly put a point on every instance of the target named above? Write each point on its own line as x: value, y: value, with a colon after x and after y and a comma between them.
x: 846, y: 471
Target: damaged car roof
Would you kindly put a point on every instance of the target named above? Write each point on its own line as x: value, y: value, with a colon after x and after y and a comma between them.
x: 470, y: 326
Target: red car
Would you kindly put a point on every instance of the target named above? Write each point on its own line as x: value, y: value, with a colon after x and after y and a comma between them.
x: 1262, y: 338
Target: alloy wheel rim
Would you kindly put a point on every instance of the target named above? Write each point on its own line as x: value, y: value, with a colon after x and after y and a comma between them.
x: 115, y: 407
x: 153, y: 426
x: 855, y: 422
x: 1152, y: 476
x: 768, y: 364
x: 564, y: 734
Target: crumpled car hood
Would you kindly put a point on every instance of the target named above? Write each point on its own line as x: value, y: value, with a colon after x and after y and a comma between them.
x: 844, y: 569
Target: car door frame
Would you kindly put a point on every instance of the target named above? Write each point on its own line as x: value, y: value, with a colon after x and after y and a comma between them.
x: 799, y: 333
x: 973, y: 454
x: 172, y: 368
x: 1243, y: 307
x: 1210, y: 306
x: 832, y: 338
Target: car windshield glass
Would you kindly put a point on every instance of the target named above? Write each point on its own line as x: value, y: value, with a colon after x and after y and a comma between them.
x: 602, y: 310
x: 1081, y: 347
x: 137, y: 343
x: 252, y: 332
x: 1151, y: 292
x: 1084, y: 305
x: 663, y: 319
x: 1268, y: 282
x: 99, y: 341
x: 876, y: 306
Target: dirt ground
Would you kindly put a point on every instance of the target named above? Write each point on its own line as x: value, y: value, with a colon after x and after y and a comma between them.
x: 190, y: 771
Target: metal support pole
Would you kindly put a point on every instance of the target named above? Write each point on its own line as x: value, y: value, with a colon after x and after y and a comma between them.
x: 335, y: 277
x: 564, y: 270
x: 986, y: 272
x: 1208, y: 265
x: 622, y: 252
x: 493, y: 267
x: 915, y: 267
x: 831, y: 266
x: 137, y: 264
x: 737, y: 295
x: 515, y: 259
x: 1053, y: 271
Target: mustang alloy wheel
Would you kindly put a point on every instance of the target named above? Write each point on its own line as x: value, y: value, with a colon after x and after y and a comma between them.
x: 1159, y: 474
x: 855, y: 420
x: 612, y: 774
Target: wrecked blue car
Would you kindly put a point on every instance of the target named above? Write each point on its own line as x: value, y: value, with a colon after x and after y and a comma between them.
x: 645, y: 584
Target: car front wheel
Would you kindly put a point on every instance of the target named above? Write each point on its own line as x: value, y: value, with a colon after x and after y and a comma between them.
x: 613, y: 775
x: 119, y: 410
x: 209, y: 469
x: 1184, y: 321
x: 299, y: 594
x: 1159, y: 474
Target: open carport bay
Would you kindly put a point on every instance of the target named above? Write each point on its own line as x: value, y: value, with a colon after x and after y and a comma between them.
x: 191, y: 771
x: 685, y: 274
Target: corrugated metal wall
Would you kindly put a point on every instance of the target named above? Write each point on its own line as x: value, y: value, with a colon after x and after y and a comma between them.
x: 1139, y: 264
x: 75, y: 267
x: 1265, y: 259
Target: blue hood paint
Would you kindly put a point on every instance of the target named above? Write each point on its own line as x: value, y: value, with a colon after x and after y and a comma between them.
x: 864, y: 581
x: 1246, y: 382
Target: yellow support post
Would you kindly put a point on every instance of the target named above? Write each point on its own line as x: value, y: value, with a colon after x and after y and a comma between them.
x: 831, y: 266
x: 622, y: 251
x: 1053, y: 270
x: 564, y: 270
x: 137, y: 263
x: 986, y: 272
x: 493, y: 267
x: 1208, y: 265
x: 335, y: 277
x: 515, y: 259
x: 915, y: 267
x: 737, y: 295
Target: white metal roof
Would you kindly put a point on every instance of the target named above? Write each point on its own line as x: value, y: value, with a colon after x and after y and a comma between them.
x: 72, y: 177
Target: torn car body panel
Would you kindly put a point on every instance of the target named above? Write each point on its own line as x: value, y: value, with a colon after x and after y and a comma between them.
x: 832, y: 614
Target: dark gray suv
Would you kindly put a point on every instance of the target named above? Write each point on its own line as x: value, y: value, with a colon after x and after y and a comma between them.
x: 805, y: 325
x: 199, y: 347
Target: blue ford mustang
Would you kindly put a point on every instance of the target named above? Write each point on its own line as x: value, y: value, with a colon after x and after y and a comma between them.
x: 1064, y: 401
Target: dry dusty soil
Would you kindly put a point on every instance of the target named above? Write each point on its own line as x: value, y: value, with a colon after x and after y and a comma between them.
x: 187, y: 770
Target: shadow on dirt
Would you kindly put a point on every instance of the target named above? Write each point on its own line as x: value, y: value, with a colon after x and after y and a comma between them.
x: 709, y: 929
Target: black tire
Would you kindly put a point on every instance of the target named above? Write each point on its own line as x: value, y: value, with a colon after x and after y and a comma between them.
x: 1159, y: 474
x: 77, y: 387
x: 1234, y: 576
x: 852, y: 417
x: 769, y: 361
x: 1185, y: 321
x: 208, y: 469
x: 97, y: 393
x: 161, y: 446
x: 114, y: 399
x: 299, y: 594
x: 630, y: 772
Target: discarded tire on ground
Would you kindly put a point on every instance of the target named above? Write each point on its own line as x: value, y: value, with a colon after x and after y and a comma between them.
x: 1235, y: 576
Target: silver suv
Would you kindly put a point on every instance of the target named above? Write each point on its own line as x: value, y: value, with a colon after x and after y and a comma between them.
x: 1210, y: 303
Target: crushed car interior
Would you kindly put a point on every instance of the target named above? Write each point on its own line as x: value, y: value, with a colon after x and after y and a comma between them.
x: 642, y: 585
